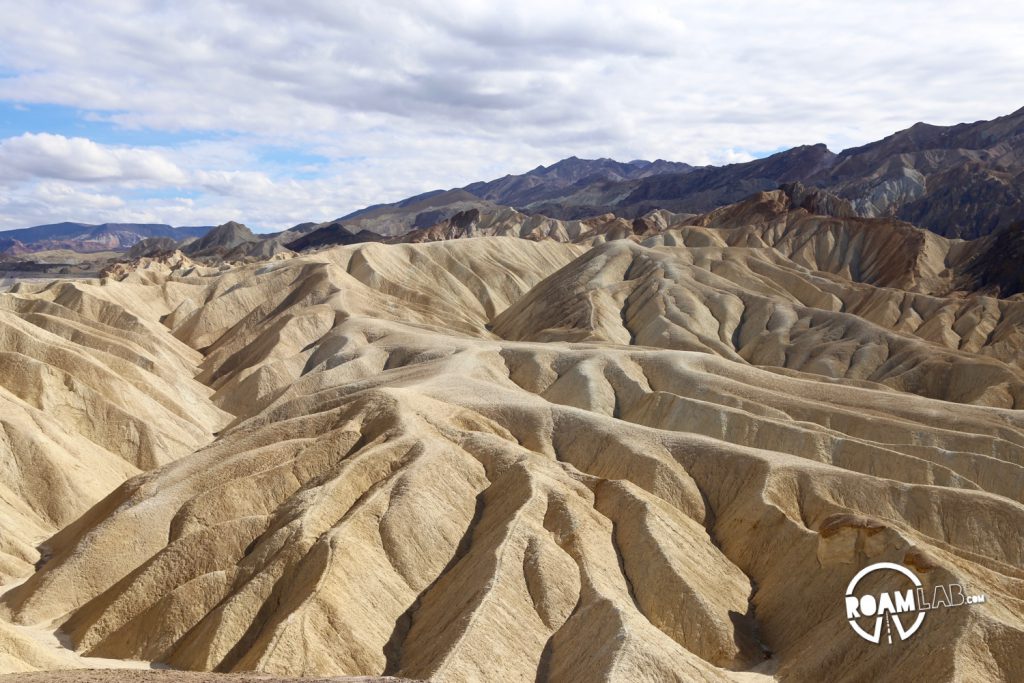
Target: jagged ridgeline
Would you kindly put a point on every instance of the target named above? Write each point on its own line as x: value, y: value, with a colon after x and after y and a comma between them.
x: 961, y: 181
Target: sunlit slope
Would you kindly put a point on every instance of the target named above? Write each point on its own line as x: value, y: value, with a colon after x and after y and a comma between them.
x: 498, y: 459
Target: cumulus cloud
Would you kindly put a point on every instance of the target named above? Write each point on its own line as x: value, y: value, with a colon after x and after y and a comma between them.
x: 44, y: 155
x: 34, y: 204
x: 431, y: 95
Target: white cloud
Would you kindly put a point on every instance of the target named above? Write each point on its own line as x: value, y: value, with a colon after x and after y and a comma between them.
x: 430, y: 95
x: 34, y: 204
x: 44, y: 155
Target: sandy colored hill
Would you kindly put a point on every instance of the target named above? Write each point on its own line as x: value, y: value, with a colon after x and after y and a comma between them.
x: 143, y: 676
x: 653, y: 458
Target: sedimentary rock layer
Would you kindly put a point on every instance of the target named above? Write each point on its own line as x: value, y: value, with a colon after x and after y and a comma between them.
x: 659, y: 458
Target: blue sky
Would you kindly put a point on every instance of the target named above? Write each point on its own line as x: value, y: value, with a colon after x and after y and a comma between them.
x: 277, y: 114
x: 17, y: 118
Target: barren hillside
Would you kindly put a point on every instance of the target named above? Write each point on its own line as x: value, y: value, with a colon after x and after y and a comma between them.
x: 654, y: 458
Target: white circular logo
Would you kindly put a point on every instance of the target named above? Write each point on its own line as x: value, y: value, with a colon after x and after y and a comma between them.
x: 890, y: 608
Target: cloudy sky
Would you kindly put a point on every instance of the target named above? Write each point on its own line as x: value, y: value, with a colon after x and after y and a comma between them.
x: 275, y: 113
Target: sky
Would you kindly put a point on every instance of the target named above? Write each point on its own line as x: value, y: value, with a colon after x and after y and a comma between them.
x: 272, y: 114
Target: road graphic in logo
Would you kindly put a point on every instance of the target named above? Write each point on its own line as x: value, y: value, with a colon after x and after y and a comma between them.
x: 899, y: 612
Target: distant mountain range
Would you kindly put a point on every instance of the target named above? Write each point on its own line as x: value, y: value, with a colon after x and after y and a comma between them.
x: 958, y: 181
x: 963, y: 181
x: 86, y: 238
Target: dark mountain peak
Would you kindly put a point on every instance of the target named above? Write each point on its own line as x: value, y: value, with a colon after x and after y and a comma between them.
x: 817, y: 149
x: 231, y: 230
x: 332, y: 234
x: 415, y: 199
x: 556, y: 184
x: 922, y: 137
x: 796, y: 162
x: 223, y: 237
x: 574, y: 166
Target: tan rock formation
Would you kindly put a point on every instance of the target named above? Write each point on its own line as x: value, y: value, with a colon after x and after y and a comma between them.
x: 655, y: 458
